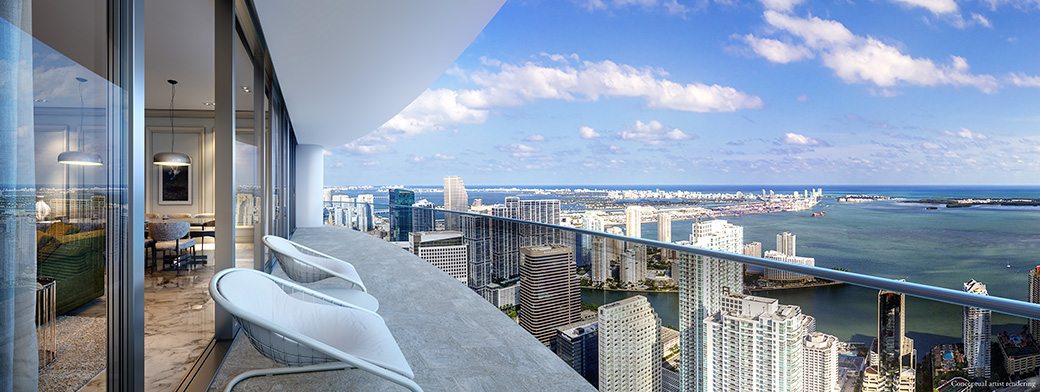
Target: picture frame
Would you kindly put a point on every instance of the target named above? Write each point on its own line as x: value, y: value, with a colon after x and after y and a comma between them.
x: 175, y: 185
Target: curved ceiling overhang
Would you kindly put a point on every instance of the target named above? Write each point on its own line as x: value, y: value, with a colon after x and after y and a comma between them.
x: 346, y: 67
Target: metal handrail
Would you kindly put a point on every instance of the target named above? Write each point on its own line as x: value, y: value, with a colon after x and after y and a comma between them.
x: 950, y: 296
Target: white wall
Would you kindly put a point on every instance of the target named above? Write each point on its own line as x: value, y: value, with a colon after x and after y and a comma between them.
x: 310, y: 174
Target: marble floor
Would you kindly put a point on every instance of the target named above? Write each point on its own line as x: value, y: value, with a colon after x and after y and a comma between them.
x: 178, y: 321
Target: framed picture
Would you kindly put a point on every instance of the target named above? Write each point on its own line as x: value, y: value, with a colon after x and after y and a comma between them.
x: 175, y: 185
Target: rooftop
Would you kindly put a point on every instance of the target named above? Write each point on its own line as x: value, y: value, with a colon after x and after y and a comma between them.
x: 453, y: 339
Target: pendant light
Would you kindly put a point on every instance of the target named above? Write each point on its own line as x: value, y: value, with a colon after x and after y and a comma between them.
x: 80, y: 158
x: 171, y: 158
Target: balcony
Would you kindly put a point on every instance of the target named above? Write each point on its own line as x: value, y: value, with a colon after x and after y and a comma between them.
x: 453, y: 338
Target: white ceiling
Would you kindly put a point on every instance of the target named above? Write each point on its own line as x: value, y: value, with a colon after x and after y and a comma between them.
x: 345, y: 67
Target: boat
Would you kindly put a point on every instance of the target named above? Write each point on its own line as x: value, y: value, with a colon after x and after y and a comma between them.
x: 1009, y: 265
x: 932, y: 208
x: 819, y: 214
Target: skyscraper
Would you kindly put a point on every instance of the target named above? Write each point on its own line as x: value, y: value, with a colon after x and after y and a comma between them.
x: 780, y: 275
x: 702, y: 282
x: 634, y: 221
x: 785, y: 243
x: 629, y: 346
x: 892, y: 361
x: 446, y: 250
x: 821, y: 362
x: 455, y: 199
x: 1034, y: 297
x: 505, y: 240
x: 600, y: 270
x: 664, y: 227
x: 755, y: 344
x: 633, y: 264
x: 577, y: 345
x: 423, y: 217
x: 476, y: 231
x: 753, y: 249
x: 976, y: 333
x: 401, y: 201
x: 541, y: 211
x: 549, y: 293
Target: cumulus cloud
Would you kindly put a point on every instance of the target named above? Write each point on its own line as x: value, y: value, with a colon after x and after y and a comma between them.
x: 780, y: 5
x: 797, y: 139
x: 535, y: 138
x: 520, y: 150
x: 587, y: 133
x: 652, y: 133
x: 432, y: 110
x: 868, y: 60
x: 777, y: 51
x: 965, y: 133
x: 937, y: 7
x: 1023, y: 80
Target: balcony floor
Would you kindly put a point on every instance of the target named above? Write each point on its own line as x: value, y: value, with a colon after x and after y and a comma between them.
x: 453, y: 338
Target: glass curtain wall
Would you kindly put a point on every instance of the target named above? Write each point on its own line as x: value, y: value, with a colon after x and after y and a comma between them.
x: 61, y: 199
x: 248, y: 196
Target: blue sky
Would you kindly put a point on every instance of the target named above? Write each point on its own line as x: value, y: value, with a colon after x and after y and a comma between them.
x: 725, y: 92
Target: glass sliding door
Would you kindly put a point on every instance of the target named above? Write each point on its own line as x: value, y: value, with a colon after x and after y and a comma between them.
x: 63, y: 192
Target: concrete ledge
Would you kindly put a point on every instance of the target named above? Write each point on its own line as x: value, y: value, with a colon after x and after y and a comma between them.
x: 453, y: 338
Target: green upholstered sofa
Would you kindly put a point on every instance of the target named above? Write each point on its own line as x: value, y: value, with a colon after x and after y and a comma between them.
x: 74, y: 255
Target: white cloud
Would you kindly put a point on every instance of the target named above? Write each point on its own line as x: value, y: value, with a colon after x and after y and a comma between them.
x: 587, y: 133
x: 965, y: 133
x: 432, y: 110
x: 365, y: 146
x: 865, y: 59
x: 535, y: 138
x: 937, y: 7
x: 777, y: 51
x: 652, y: 132
x: 797, y: 139
x: 1023, y: 80
x: 521, y: 150
x: 780, y: 5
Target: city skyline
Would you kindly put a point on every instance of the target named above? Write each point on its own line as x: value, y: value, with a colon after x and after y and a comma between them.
x: 738, y: 93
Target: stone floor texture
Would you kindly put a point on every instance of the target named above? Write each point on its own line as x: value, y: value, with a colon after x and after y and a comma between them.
x: 453, y: 338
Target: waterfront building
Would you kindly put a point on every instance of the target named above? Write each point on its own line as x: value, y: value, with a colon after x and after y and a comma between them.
x: 1034, y: 297
x: 634, y: 221
x: 401, y: 201
x: 423, y: 217
x: 893, y: 357
x: 476, y: 231
x: 785, y: 243
x: 600, y: 261
x: 577, y: 345
x: 976, y: 333
x: 502, y: 295
x: 1020, y: 353
x: 821, y: 362
x: 505, y: 240
x: 702, y: 282
x: 541, y: 211
x: 785, y: 276
x: 633, y: 264
x: 629, y: 346
x: 549, y: 293
x: 455, y: 199
x: 446, y: 250
x: 753, y: 249
x: 592, y: 220
x: 947, y: 363
x: 664, y: 227
x: 755, y: 344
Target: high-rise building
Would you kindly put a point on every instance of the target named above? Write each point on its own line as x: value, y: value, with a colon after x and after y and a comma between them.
x: 784, y: 276
x: 446, y: 250
x: 634, y: 221
x: 785, y: 243
x: 664, y: 227
x: 476, y: 231
x: 577, y: 345
x: 455, y: 199
x: 629, y: 346
x: 1034, y: 297
x: 633, y: 264
x: 502, y: 295
x: 976, y: 334
x: 600, y: 260
x: 401, y: 201
x: 821, y: 363
x: 505, y: 240
x: 755, y: 344
x: 702, y: 282
x: 541, y: 211
x: 892, y: 360
x: 423, y: 216
x: 550, y: 296
x: 753, y: 249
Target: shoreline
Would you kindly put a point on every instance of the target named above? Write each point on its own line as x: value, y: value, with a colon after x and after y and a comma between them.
x: 750, y: 290
x: 629, y: 290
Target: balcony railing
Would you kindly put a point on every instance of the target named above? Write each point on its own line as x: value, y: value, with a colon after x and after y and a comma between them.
x: 853, y: 329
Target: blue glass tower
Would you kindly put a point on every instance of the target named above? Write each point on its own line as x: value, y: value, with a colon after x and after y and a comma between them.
x: 401, y: 201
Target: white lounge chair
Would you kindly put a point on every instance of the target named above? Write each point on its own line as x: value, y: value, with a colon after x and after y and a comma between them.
x: 314, y: 335
x: 306, y: 265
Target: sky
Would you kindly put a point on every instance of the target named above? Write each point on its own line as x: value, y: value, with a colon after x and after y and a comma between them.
x: 724, y: 92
